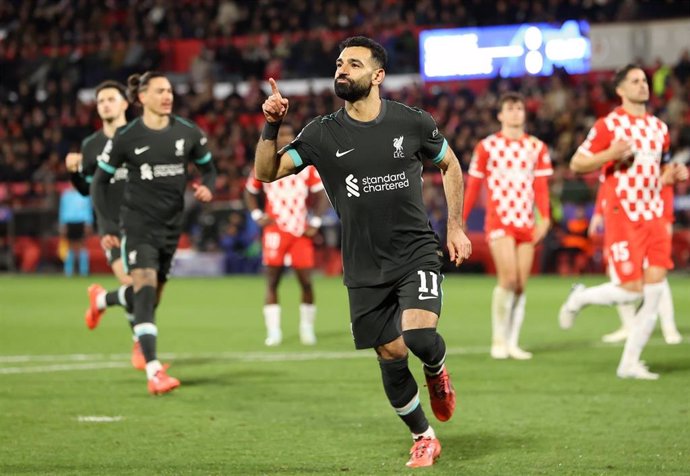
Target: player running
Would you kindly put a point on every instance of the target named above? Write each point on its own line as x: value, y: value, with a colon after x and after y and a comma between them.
x: 111, y: 104
x: 369, y: 155
x: 156, y: 149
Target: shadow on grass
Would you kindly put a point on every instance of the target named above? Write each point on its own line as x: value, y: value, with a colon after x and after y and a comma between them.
x: 555, y: 347
x: 676, y: 366
x: 472, y: 446
x: 226, y: 379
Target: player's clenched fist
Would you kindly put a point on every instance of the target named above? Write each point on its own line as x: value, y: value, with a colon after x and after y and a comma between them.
x: 276, y: 106
x: 73, y: 161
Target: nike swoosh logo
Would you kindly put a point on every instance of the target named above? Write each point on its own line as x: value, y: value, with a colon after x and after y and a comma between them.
x: 340, y: 154
x: 424, y: 298
x: 138, y: 151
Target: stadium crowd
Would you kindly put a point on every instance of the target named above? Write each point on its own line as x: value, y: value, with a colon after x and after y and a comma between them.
x: 51, y: 51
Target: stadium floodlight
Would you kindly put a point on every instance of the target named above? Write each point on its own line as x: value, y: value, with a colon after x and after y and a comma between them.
x: 505, y: 51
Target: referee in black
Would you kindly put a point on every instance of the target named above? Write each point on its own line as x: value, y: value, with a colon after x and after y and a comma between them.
x: 156, y: 149
x: 369, y: 155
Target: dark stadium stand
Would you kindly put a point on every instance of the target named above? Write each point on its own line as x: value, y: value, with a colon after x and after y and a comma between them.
x: 49, y: 52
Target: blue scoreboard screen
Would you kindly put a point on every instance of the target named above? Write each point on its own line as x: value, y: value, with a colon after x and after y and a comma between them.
x: 505, y: 51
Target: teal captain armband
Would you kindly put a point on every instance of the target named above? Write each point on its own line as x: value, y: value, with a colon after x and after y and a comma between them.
x: 441, y: 154
x: 296, y: 158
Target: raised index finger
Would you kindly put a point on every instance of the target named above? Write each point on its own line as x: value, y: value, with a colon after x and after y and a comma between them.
x: 274, y: 86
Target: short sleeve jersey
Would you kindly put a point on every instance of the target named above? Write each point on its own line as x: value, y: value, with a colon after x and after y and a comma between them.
x: 286, y: 199
x: 156, y: 162
x: 509, y: 167
x: 372, y: 173
x: 92, y: 149
x: 635, y: 184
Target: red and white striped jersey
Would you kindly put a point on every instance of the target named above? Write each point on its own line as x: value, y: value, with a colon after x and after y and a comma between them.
x: 510, y: 167
x: 286, y: 199
x: 634, y: 184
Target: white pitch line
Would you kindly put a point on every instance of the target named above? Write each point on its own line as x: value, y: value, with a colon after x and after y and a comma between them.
x: 63, y: 368
x: 98, y: 419
x: 114, y: 361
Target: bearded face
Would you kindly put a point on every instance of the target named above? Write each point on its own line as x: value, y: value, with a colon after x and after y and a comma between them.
x: 352, y: 91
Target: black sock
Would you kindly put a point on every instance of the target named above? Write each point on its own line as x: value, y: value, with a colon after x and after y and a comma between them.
x: 403, y: 394
x: 129, y: 299
x: 148, y: 346
x: 112, y: 298
x: 145, y: 329
x: 428, y: 346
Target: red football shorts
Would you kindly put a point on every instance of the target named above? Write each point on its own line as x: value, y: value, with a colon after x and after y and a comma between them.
x: 521, y: 235
x: 631, y: 247
x: 281, y: 248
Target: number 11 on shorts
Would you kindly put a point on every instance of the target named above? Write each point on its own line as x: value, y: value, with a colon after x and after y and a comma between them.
x: 423, y: 281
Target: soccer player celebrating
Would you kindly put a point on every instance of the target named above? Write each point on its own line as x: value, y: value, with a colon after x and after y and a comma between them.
x: 156, y: 149
x: 287, y: 239
x: 628, y: 144
x: 111, y: 104
x: 369, y: 157
x: 515, y: 166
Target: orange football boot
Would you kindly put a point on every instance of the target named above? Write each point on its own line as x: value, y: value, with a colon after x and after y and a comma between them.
x: 442, y: 395
x: 424, y: 452
x: 162, y: 383
x: 138, y: 360
x: 93, y: 315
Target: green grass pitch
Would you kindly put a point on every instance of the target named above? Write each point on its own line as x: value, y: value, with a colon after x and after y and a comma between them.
x: 246, y: 409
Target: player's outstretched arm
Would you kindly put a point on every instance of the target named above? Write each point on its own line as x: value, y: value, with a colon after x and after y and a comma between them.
x: 459, y: 246
x: 268, y: 166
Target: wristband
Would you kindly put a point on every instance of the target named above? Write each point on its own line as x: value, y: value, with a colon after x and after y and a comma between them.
x: 257, y: 214
x: 270, y: 131
x: 315, y: 222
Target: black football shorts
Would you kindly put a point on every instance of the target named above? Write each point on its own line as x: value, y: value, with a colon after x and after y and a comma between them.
x: 375, y: 311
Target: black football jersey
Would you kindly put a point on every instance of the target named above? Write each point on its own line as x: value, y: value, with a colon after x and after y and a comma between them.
x: 156, y: 162
x: 372, y: 173
x: 92, y: 149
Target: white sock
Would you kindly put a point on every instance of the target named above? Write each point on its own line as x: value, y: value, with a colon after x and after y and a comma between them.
x: 501, y: 305
x: 605, y: 294
x: 100, y: 301
x: 626, y: 312
x: 645, y: 319
x: 429, y: 433
x: 666, y: 313
x: 272, y: 318
x: 152, y: 368
x: 121, y: 295
x: 307, y: 314
x: 516, y: 319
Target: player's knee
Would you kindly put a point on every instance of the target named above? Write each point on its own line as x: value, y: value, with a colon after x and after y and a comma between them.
x: 425, y: 343
x: 510, y: 283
